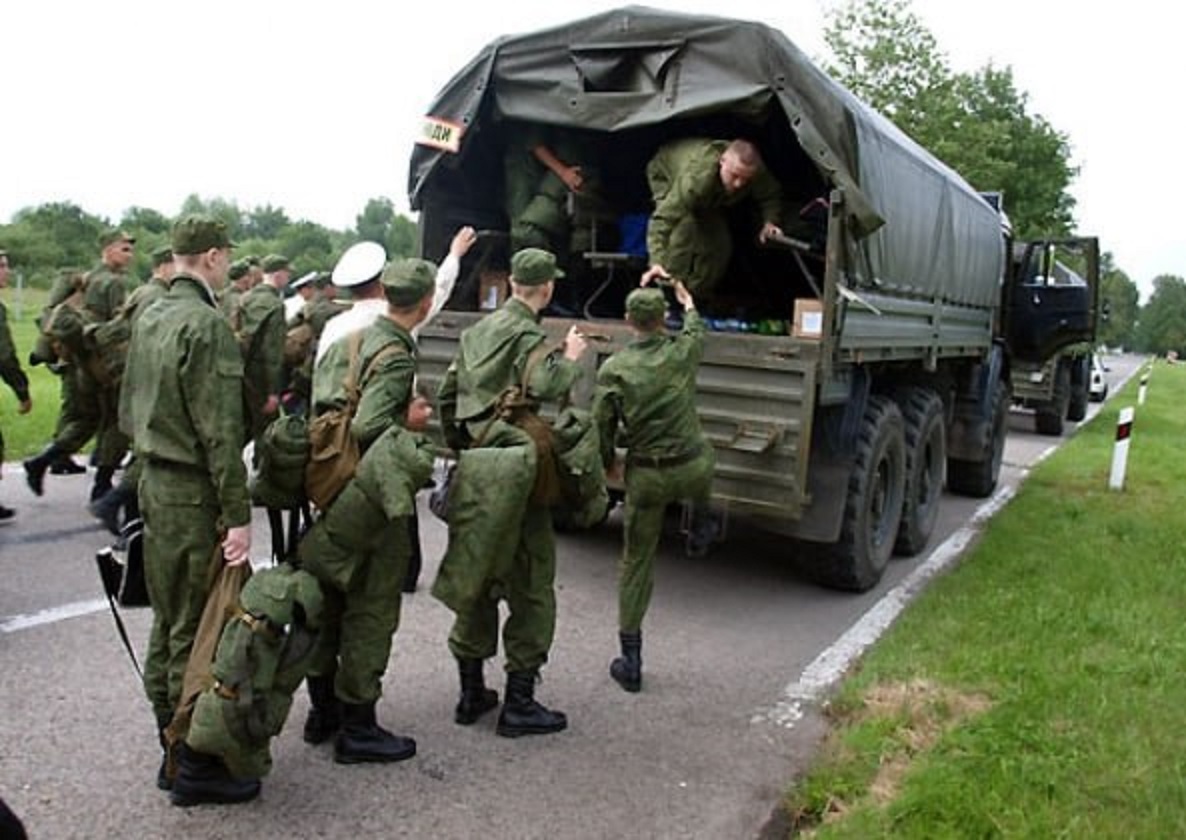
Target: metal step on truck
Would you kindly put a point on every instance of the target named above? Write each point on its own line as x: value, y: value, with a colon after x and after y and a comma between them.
x: 853, y: 369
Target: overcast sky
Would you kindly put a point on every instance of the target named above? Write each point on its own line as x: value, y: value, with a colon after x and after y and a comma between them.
x: 313, y: 107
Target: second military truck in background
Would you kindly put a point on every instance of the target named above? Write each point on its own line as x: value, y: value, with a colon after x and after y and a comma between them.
x: 860, y: 365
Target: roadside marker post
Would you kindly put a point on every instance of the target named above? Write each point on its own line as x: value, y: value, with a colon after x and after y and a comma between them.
x: 1144, y: 387
x: 1120, y: 451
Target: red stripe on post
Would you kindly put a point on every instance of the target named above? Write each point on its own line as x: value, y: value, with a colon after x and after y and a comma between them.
x: 1123, y: 430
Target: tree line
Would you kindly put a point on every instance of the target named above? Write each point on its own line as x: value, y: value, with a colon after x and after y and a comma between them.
x: 42, y: 241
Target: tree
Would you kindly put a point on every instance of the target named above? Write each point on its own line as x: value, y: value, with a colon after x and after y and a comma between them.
x: 978, y: 123
x: 265, y: 222
x: 1119, y: 298
x: 379, y: 222
x: 146, y: 220
x: 1162, y: 325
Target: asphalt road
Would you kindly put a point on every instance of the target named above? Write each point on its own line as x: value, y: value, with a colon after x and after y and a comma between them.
x: 704, y: 751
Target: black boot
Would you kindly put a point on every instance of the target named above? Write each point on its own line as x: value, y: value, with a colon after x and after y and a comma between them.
x: 521, y: 714
x: 36, y: 466
x: 476, y: 699
x: 362, y: 739
x: 325, y: 712
x: 65, y: 465
x: 203, y: 779
x: 106, y: 508
x: 164, y: 774
x: 627, y: 668
x: 102, y: 485
x: 415, y: 559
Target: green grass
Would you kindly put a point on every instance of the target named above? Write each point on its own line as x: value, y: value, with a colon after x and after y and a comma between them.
x: 25, y: 434
x: 1050, y: 664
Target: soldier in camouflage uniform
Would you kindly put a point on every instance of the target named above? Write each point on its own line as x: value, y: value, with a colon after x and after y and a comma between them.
x: 10, y: 368
x: 261, y: 329
x: 122, y: 497
x: 182, y: 403
x: 89, y: 405
x: 345, y: 676
x: 648, y: 390
x: 493, y: 356
x: 238, y: 284
x: 694, y: 183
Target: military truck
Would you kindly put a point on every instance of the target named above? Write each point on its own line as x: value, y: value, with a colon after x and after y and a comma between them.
x: 851, y: 372
x: 1052, y: 310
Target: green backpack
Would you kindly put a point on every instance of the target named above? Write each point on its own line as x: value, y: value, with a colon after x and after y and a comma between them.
x: 263, y: 655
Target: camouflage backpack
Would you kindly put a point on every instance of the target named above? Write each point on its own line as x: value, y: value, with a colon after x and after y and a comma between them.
x: 262, y: 657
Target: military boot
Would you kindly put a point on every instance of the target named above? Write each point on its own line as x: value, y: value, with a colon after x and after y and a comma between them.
x: 476, y: 699
x: 325, y: 712
x: 362, y: 739
x: 521, y: 714
x: 106, y: 508
x: 36, y: 466
x: 102, y: 485
x: 627, y: 668
x: 164, y: 774
x: 65, y: 465
x: 203, y: 779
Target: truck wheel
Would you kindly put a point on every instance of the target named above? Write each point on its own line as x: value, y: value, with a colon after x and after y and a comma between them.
x: 1077, y: 406
x: 979, y: 478
x: 873, y: 507
x: 926, y: 448
x: 1048, y: 418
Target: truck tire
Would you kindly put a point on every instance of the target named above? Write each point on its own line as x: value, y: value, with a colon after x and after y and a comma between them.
x: 1048, y: 417
x: 978, y: 478
x: 873, y: 508
x: 1080, y: 382
x: 926, y: 456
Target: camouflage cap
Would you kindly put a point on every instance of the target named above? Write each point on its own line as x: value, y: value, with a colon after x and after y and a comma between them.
x: 534, y: 267
x: 162, y: 255
x: 252, y: 260
x: 322, y: 279
x: 196, y: 233
x: 113, y: 235
x: 645, y: 306
x: 406, y: 282
x: 239, y: 268
x: 274, y: 262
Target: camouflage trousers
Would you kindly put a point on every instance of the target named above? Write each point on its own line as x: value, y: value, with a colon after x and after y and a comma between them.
x: 88, y: 410
x: 180, y: 511
x: 531, y: 601
x: 358, y: 624
x: 649, y: 490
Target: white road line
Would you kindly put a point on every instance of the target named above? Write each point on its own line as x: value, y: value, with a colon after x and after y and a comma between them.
x: 833, y: 663
x: 53, y: 614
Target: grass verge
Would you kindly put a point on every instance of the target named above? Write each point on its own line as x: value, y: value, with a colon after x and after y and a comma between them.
x: 1036, y: 690
x: 25, y: 434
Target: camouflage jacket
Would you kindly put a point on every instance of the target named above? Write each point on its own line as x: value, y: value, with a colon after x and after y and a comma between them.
x: 648, y: 389
x: 182, y: 394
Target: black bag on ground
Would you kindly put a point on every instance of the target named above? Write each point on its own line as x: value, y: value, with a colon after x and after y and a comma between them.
x: 122, y: 571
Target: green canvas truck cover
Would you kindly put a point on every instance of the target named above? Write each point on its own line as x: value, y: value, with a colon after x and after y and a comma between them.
x: 925, y: 232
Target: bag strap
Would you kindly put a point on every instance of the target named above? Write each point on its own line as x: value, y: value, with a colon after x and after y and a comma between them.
x: 354, y: 382
x: 504, y: 405
x: 123, y: 635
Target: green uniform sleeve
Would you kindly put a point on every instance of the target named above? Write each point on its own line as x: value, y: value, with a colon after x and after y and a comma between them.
x: 447, y: 409
x: 10, y: 366
x: 767, y: 193
x: 607, y: 412
x: 212, y: 376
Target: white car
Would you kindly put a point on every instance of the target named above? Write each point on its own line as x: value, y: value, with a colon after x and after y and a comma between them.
x: 1098, y: 388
